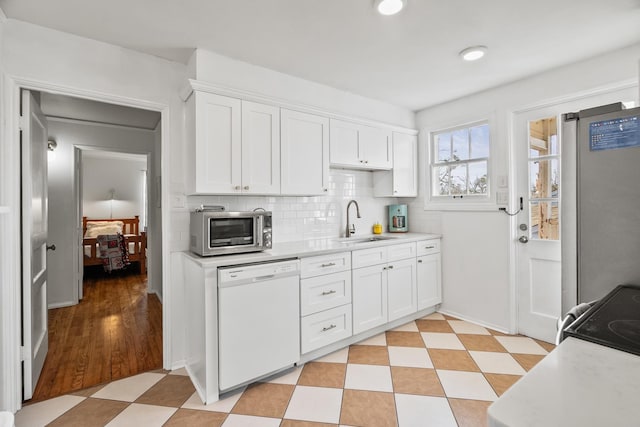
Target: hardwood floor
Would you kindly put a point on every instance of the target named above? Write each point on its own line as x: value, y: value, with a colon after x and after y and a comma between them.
x: 114, y: 332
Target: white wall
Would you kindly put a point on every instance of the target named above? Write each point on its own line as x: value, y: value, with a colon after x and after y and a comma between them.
x: 70, y: 134
x: 476, y: 245
x: 213, y: 68
x: 101, y: 175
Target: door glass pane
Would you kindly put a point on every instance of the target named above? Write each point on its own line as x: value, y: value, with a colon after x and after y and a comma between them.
x: 543, y: 137
x: 441, y: 180
x: 544, y: 220
x: 459, y: 179
x: 544, y: 178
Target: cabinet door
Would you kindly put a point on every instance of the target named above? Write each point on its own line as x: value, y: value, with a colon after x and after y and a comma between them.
x: 344, y: 142
x: 217, y: 144
x: 305, y: 153
x: 375, y: 147
x: 369, y: 299
x: 405, y: 165
x: 401, y: 288
x: 429, y: 281
x: 260, y: 148
x: 402, y: 180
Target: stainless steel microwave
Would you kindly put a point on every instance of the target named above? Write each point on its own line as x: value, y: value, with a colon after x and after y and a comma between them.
x: 221, y: 232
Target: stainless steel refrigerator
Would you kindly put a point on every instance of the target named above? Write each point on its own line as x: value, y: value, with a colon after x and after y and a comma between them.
x: 600, y: 216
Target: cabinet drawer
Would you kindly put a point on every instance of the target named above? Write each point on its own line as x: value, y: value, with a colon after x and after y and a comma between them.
x: 325, y: 264
x: 324, y: 292
x: 426, y: 247
x: 324, y: 328
x: 402, y: 251
x: 367, y: 257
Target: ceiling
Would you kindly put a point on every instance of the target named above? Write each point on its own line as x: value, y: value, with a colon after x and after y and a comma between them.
x: 410, y: 60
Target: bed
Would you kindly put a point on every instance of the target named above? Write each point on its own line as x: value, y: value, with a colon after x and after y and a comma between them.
x: 135, y: 241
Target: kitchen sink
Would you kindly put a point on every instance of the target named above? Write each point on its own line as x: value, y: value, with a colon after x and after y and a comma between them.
x: 355, y: 240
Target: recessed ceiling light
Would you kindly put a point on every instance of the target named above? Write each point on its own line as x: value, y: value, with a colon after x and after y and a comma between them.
x: 473, y: 53
x: 389, y: 7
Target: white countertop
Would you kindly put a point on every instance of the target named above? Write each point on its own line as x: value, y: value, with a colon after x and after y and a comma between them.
x: 312, y: 247
x: 578, y: 384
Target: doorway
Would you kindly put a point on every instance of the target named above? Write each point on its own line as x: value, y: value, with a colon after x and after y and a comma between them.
x: 108, y: 326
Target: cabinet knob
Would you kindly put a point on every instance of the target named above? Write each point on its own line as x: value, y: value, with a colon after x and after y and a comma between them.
x: 390, y: 267
x: 366, y: 161
x: 325, y: 189
x: 237, y: 187
x: 361, y: 161
x: 246, y: 187
x: 419, y: 261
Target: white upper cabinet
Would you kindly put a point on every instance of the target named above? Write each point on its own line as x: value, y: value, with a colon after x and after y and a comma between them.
x: 214, y: 144
x: 234, y: 146
x: 304, y: 146
x: 260, y: 148
x: 359, y: 146
x: 402, y: 180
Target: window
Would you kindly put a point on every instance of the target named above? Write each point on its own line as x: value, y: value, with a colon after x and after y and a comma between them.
x: 460, y: 162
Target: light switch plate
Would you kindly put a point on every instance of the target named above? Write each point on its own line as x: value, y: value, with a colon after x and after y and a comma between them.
x: 502, y: 197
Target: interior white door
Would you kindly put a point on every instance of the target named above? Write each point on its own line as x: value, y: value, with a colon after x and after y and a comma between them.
x: 77, y: 176
x: 33, y: 126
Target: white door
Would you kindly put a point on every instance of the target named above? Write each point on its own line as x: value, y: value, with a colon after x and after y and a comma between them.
x: 34, y: 135
x: 304, y: 153
x: 539, y: 269
x: 375, y: 147
x: 405, y: 165
x: 344, y: 141
x: 260, y: 148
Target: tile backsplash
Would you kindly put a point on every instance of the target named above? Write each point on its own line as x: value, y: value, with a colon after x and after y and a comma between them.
x: 313, y: 217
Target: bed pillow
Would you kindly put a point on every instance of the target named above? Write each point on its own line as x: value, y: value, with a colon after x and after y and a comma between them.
x: 94, y: 229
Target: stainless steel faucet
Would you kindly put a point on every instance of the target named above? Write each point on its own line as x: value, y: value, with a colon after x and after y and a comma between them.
x: 351, y: 230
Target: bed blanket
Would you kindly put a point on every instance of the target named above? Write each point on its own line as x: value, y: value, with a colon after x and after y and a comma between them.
x: 113, y: 252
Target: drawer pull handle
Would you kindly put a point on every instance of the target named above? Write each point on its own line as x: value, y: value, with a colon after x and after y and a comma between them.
x: 328, y: 328
x: 329, y: 264
x: 429, y: 247
x: 391, y: 267
x: 329, y: 292
x: 419, y: 261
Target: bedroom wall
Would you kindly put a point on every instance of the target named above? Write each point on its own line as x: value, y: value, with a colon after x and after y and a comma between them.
x: 104, y: 173
x: 62, y: 226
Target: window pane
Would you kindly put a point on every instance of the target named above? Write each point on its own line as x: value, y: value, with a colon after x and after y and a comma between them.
x: 544, y: 220
x: 443, y: 147
x: 543, y: 137
x: 544, y: 177
x: 479, y: 141
x: 441, y: 180
x: 461, y: 144
x: 478, y: 178
x: 459, y: 179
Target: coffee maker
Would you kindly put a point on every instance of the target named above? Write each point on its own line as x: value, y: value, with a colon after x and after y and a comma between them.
x: 398, y: 219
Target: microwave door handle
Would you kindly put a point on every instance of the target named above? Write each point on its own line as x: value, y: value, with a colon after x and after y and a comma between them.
x: 257, y: 231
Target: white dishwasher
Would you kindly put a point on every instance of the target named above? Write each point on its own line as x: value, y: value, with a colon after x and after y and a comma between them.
x: 259, y: 320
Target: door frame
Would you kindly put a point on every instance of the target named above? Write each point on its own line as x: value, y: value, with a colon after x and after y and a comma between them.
x: 10, y: 321
x: 625, y: 85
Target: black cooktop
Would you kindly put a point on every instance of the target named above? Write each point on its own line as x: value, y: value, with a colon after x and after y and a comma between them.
x: 613, y: 321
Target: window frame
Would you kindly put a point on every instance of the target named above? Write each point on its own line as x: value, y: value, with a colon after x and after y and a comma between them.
x: 468, y: 202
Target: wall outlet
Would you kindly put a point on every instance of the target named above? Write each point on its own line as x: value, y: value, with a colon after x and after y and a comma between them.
x: 178, y: 201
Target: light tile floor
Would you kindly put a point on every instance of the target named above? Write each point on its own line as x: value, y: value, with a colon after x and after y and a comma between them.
x: 437, y: 371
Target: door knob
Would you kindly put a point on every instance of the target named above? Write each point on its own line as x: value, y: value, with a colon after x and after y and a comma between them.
x: 51, y: 247
x: 523, y: 227
x: 523, y: 239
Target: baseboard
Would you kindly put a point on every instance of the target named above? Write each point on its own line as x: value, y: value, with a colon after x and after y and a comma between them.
x: 476, y: 321
x: 159, y: 295
x: 61, y: 304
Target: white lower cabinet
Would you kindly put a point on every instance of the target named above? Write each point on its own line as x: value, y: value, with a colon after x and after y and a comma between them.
x: 429, y: 281
x: 401, y: 288
x: 369, y: 297
x: 325, y: 327
x: 325, y: 300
